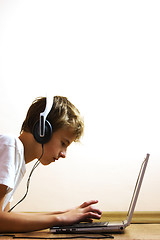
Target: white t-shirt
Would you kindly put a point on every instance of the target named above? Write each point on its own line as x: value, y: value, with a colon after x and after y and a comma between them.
x: 12, y: 164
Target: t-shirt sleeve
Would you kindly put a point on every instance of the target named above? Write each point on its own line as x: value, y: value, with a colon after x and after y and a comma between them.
x: 7, y: 166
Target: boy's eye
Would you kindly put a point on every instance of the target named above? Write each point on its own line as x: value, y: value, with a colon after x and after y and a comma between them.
x: 63, y: 144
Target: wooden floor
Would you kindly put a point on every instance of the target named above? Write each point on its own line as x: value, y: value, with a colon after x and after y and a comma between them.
x: 132, y: 232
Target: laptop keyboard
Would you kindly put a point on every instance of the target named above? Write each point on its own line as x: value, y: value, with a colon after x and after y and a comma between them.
x: 94, y: 224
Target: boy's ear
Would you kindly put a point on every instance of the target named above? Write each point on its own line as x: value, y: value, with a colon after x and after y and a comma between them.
x: 48, y: 132
x: 42, y: 130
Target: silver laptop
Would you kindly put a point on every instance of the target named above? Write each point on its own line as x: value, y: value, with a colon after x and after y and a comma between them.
x: 106, y: 227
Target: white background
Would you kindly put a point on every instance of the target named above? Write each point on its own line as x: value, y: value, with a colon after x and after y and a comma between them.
x: 105, y: 57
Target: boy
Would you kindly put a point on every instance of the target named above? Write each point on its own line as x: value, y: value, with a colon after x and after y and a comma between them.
x: 15, y: 153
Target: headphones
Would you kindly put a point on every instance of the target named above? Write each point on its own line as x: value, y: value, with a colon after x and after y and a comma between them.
x: 42, y: 130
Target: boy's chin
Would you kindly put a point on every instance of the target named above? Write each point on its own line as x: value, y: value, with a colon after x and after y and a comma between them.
x: 45, y: 162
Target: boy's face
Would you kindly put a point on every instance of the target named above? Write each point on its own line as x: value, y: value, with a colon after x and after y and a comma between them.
x: 57, y: 146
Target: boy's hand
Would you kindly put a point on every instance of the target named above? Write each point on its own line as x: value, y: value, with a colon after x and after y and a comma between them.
x: 86, y: 212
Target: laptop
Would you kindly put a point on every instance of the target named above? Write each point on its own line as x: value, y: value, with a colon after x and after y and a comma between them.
x: 111, y: 226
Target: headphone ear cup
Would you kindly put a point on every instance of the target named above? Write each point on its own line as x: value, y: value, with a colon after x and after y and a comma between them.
x: 48, y: 132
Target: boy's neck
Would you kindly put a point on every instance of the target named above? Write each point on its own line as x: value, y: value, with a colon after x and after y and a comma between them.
x: 32, y: 149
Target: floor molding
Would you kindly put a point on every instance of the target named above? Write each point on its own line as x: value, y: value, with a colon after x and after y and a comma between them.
x: 138, y: 217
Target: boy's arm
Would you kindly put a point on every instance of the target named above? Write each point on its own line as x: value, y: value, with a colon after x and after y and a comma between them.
x: 7, y: 207
x: 3, y: 191
x: 15, y: 222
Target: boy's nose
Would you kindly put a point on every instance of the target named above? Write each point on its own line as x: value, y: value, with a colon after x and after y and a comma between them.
x: 63, y: 154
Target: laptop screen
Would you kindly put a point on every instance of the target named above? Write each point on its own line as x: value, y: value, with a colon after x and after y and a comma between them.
x: 137, y: 189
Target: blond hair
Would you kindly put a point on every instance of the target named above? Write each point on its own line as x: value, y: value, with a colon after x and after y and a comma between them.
x: 62, y: 115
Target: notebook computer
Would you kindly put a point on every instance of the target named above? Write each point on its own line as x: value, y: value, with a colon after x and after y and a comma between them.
x: 111, y: 226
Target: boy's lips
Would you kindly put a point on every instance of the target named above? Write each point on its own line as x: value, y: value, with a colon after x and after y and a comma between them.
x: 54, y: 159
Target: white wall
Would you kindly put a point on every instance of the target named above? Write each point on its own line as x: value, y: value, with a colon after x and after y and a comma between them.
x: 104, y: 56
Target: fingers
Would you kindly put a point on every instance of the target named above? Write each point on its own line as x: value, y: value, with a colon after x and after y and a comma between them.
x: 86, y: 212
x: 88, y: 207
x: 86, y: 204
x: 90, y: 212
x: 94, y: 210
x: 88, y: 220
x: 89, y: 216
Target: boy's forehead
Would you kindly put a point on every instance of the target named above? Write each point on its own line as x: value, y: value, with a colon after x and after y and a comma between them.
x: 68, y: 134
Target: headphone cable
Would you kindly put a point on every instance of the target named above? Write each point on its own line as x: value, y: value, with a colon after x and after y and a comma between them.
x: 28, y: 181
